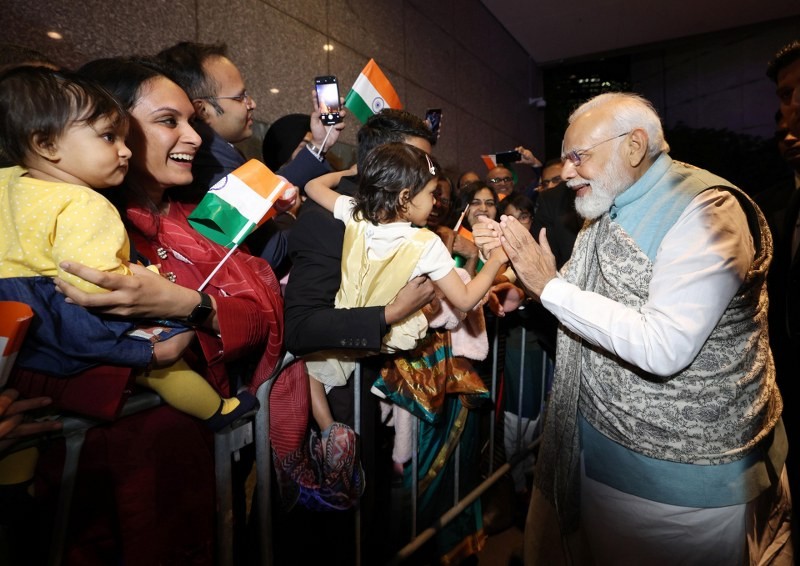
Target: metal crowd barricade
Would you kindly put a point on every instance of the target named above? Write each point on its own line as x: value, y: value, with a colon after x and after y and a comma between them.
x: 460, y: 504
x: 264, y: 462
x: 227, y: 443
x: 74, y: 429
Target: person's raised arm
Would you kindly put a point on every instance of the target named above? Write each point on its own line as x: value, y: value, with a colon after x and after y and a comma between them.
x: 465, y: 297
x: 527, y: 157
x: 320, y: 190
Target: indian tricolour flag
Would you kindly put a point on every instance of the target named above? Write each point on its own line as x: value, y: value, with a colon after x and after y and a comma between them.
x: 490, y: 160
x: 14, y: 321
x: 238, y: 203
x: 371, y: 93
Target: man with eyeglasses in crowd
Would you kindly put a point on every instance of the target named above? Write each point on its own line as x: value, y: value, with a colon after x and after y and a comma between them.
x: 551, y: 175
x: 664, y: 442
x: 501, y: 179
x: 224, y: 111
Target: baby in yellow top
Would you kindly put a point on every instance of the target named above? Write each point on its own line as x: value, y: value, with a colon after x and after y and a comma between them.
x: 44, y: 222
x: 66, y: 137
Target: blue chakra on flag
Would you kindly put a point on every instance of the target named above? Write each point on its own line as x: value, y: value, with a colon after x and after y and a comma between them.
x: 378, y: 104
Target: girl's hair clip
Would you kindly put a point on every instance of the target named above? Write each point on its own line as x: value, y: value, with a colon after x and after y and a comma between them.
x: 431, y: 168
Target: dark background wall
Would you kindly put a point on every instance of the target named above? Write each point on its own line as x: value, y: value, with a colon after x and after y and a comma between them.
x: 446, y: 54
x: 451, y: 54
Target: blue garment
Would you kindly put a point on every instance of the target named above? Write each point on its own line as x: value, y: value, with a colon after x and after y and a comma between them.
x: 64, y: 339
x: 652, y: 205
x: 687, y: 485
x: 214, y: 159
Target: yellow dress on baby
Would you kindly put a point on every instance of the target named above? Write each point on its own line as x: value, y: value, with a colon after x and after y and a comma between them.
x: 43, y: 223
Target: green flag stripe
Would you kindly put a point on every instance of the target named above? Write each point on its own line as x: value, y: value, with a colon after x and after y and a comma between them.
x: 217, y: 220
x: 357, y: 106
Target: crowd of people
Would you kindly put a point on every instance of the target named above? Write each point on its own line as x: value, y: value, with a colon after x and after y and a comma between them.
x: 650, y: 307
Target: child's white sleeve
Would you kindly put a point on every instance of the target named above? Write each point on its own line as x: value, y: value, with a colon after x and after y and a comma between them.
x: 343, y: 209
x: 436, y: 261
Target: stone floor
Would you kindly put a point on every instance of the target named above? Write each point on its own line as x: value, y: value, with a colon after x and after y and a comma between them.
x: 503, y: 549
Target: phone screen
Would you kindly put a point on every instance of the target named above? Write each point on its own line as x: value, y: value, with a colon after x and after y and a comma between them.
x: 506, y: 157
x: 434, y: 118
x: 328, y: 98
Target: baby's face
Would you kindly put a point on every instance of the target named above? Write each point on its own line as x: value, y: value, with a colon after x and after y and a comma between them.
x: 93, y: 155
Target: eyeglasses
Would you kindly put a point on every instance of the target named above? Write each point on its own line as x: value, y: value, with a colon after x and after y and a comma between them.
x: 243, y: 97
x: 478, y: 202
x: 440, y: 199
x: 501, y: 180
x: 576, y: 155
x: 552, y: 181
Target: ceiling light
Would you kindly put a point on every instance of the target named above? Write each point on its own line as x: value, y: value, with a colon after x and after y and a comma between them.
x: 274, y: 90
x: 54, y: 35
x: 328, y: 47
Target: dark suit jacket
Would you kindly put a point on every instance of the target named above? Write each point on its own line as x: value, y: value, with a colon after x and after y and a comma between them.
x: 311, y: 321
x: 793, y: 278
x: 555, y: 211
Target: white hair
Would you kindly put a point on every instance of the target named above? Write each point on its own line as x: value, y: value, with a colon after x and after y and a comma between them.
x: 631, y: 111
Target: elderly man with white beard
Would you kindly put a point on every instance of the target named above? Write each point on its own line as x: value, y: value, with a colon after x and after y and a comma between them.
x: 663, y: 441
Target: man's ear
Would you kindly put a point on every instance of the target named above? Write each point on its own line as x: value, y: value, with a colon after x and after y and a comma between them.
x: 201, y: 108
x: 44, y: 147
x: 637, y: 147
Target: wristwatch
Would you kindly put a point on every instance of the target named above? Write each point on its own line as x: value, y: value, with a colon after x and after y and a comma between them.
x: 201, y: 312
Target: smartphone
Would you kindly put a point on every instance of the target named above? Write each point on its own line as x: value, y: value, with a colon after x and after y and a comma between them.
x: 506, y: 157
x: 434, y: 118
x: 328, y: 98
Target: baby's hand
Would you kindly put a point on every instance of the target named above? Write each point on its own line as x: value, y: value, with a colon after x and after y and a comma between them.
x: 287, y: 200
x: 171, y: 350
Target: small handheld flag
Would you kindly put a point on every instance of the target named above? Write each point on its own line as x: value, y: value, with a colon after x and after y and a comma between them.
x: 490, y: 160
x: 14, y: 321
x: 371, y: 93
x: 238, y: 203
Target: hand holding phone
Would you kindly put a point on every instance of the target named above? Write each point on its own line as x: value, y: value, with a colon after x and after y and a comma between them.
x: 433, y: 117
x: 328, y: 99
x: 506, y: 157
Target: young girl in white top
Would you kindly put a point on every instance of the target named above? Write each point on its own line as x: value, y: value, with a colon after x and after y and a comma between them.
x: 384, y: 247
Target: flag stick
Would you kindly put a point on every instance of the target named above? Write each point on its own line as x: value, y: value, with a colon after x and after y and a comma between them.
x: 239, y: 237
x: 269, y: 202
x: 461, y: 218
